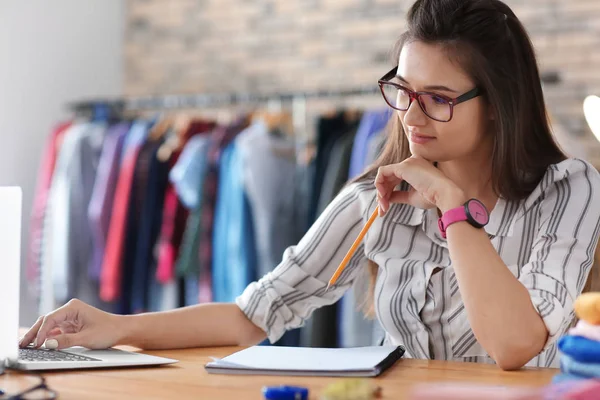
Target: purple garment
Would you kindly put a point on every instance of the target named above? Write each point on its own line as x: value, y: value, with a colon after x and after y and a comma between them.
x: 371, y: 123
x: 101, y: 204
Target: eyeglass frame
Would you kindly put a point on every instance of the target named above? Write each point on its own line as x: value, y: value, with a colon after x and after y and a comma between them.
x: 40, y: 386
x: 385, y: 80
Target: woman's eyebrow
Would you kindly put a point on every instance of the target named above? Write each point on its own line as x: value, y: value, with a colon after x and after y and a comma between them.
x: 430, y: 87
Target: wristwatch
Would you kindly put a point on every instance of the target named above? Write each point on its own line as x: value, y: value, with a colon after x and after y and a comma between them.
x: 473, y: 211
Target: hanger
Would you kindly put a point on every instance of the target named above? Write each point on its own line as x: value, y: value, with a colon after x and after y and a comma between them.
x: 280, y: 121
x: 160, y: 128
x: 175, y: 136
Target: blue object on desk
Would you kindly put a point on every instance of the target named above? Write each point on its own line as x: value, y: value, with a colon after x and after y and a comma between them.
x: 285, y: 393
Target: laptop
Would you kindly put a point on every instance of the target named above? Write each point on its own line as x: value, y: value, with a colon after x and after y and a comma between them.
x: 41, y: 359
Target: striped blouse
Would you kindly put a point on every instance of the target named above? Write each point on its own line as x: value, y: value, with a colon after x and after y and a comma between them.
x: 546, y: 240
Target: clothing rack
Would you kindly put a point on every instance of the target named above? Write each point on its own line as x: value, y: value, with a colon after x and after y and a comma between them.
x: 214, y: 99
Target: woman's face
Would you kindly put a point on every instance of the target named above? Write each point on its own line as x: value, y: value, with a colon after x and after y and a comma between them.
x: 426, y: 67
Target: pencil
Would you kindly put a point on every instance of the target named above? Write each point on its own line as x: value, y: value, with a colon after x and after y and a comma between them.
x: 352, y: 250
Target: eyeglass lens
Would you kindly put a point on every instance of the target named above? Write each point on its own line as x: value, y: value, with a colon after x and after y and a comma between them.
x: 434, y: 106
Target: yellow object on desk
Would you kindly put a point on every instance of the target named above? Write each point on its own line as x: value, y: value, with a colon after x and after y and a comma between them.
x: 587, y: 307
x: 351, y: 389
x: 353, y: 248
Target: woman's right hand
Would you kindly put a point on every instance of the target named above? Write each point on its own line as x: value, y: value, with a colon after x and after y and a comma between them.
x: 75, y: 324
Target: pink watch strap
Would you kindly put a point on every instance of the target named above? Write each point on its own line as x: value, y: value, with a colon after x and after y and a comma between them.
x: 451, y: 216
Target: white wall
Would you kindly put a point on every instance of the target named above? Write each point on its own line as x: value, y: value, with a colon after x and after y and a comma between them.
x: 51, y: 52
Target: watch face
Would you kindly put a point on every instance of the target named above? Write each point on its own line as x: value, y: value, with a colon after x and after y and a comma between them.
x: 478, y: 212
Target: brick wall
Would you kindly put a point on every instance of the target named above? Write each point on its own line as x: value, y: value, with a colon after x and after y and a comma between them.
x: 190, y: 46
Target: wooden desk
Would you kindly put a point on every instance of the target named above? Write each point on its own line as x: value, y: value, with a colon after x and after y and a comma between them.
x: 188, y: 379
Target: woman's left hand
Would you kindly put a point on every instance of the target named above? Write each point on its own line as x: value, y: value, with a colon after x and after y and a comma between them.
x: 429, y: 186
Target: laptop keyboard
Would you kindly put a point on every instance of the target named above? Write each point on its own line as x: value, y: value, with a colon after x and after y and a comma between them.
x: 51, y: 355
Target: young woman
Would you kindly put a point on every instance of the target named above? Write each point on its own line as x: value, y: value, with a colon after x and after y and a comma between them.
x: 487, y: 231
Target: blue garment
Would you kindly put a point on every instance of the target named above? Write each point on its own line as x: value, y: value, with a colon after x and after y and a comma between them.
x: 133, y: 230
x: 234, y: 254
x: 150, y: 224
x: 371, y: 123
x: 580, y: 348
x: 191, y: 290
x: 135, y: 137
x: 571, y: 366
x: 186, y: 175
x: 269, y: 181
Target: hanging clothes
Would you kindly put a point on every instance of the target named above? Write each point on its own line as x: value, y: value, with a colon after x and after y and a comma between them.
x: 103, y: 194
x: 175, y: 214
x: 372, y: 123
x: 144, y: 265
x: 135, y: 234
x: 188, y: 176
x: 234, y: 255
x: 40, y: 203
x: 220, y: 138
x: 111, y: 274
x: 336, y: 174
x: 269, y: 181
x: 329, y: 129
x: 70, y: 238
x: 185, y: 176
x: 375, y: 146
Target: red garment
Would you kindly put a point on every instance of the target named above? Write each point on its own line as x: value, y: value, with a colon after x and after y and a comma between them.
x: 36, y: 228
x: 175, y: 215
x: 110, y: 279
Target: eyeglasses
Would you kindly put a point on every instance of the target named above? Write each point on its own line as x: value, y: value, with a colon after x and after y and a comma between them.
x: 25, y: 387
x: 436, y: 106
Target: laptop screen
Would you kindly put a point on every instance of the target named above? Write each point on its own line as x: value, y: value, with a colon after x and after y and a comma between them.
x: 10, y: 265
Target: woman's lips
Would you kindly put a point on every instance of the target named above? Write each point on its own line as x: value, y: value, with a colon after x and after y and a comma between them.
x: 420, y: 139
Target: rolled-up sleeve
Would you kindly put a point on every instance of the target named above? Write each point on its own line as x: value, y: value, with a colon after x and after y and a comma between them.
x: 286, y: 297
x: 563, y: 250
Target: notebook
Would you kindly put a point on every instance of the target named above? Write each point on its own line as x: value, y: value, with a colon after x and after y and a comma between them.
x: 308, y: 361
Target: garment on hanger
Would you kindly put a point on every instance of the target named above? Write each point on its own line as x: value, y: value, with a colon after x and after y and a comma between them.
x: 145, y: 263
x: 111, y: 274
x: 192, y: 164
x: 70, y: 195
x: 40, y: 203
x: 220, y: 138
x: 269, y: 181
x: 166, y: 285
x: 234, y: 255
x: 103, y: 194
x: 329, y: 129
x: 371, y: 124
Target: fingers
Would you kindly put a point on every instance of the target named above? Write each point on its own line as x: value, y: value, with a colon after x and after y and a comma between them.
x: 400, y: 197
x: 48, y: 324
x: 388, y: 177
x: 55, y: 332
x: 51, y: 322
x: 31, y: 333
x: 66, y: 340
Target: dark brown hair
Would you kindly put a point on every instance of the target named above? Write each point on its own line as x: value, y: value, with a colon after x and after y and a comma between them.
x: 488, y: 41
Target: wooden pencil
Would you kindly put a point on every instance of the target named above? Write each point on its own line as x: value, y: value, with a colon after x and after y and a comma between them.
x: 352, y: 250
